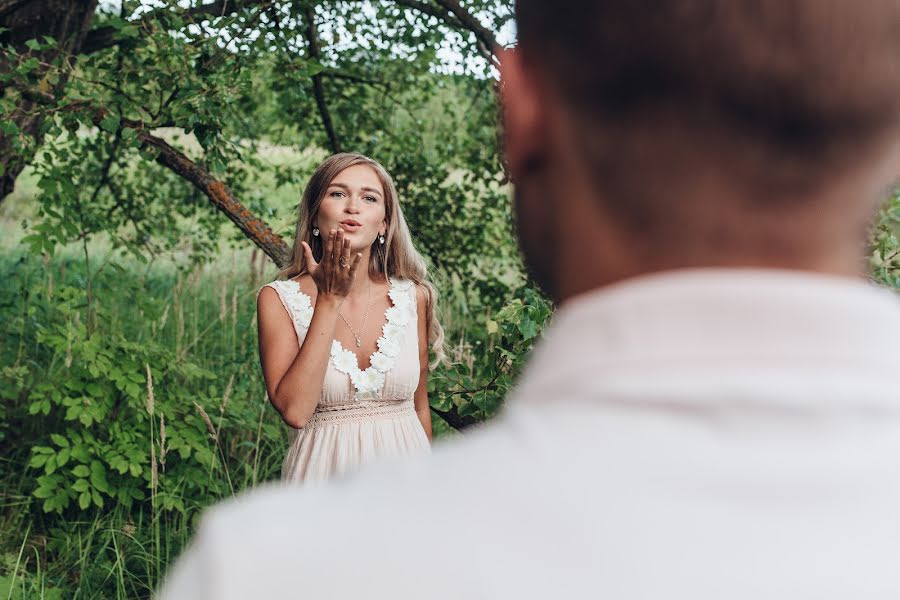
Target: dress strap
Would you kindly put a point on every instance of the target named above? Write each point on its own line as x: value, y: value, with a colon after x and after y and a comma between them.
x: 297, y: 304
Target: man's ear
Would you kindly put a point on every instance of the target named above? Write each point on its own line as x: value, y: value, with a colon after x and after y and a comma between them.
x: 522, y: 113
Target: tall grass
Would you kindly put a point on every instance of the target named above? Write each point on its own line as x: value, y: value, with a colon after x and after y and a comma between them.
x: 207, y: 315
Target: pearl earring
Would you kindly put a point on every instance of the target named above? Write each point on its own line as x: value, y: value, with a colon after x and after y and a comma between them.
x: 381, y: 239
x: 316, y: 231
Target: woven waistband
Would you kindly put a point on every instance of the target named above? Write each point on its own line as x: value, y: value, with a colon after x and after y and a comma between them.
x: 362, y: 411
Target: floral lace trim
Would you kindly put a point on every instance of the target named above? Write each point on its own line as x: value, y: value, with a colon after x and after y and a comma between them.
x: 301, y: 308
x: 370, y: 381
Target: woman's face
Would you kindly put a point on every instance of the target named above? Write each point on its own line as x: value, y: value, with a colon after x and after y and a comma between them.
x: 354, y: 202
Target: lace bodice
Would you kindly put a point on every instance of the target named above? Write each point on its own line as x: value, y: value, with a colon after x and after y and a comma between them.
x: 394, y: 366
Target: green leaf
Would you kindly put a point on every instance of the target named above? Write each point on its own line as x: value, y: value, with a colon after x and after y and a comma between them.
x: 129, y: 136
x: 81, y: 453
x: 527, y: 328
x: 81, y: 471
x: 38, y: 460
x: 84, y: 500
x: 28, y: 66
x: 59, y: 440
x: 42, y: 492
x: 110, y: 123
x: 33, y: 44
x: 468, y: 408
x: 98, y: 477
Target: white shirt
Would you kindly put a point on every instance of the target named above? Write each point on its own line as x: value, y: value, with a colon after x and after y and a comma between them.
x: 702, y: 434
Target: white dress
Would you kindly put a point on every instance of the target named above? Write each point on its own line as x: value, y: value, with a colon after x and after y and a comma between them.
x: 362, y: 415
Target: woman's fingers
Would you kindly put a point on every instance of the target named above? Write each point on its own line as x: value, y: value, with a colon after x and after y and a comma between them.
x: 311, y: 264
x: 328, y: 246
x: 354, y: 265
x: 337, y: 248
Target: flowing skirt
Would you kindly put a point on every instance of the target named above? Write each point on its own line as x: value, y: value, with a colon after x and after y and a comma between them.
x: 340, y: 439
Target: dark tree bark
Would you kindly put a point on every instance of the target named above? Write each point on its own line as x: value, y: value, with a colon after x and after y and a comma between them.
x: 66, y: 21
x: 312, y: 37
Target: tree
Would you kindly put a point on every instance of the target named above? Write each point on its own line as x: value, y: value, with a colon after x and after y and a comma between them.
x: 45, y: 40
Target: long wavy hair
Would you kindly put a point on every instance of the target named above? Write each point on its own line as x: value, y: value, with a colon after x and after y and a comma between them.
x: 397, y: 257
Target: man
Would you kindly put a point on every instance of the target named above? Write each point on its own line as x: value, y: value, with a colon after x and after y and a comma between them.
x: 714, y: 411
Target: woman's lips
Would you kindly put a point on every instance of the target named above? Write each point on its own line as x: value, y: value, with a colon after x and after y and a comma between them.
x: 349, y: 227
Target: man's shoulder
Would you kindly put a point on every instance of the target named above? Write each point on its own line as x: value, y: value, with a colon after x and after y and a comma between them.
x: 385, y: 517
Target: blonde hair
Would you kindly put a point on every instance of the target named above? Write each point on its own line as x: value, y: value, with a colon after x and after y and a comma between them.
x: 397, y: 257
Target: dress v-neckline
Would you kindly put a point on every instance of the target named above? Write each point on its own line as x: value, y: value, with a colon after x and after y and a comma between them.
x: 399, y: 313
x: 391, y: 304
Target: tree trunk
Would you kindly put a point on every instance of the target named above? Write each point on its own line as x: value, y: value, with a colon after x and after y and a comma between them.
x: 66, y: 21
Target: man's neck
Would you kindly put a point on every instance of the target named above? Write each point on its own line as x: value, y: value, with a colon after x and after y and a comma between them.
x: 596, y: 252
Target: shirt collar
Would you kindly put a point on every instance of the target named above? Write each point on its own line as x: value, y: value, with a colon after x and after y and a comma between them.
x: 717, y: 325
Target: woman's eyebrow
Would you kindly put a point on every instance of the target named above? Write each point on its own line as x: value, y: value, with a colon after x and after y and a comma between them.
x: 347, y: 187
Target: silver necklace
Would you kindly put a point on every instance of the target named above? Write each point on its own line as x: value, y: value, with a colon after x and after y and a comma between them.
x: 358, y: 336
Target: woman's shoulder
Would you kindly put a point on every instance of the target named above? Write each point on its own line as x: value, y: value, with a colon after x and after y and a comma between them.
x: 301, y: 287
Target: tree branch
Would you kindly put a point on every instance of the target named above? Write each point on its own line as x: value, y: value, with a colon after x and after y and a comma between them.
x: 220, y: 195
x: 454, y: 15
x: 105, y: 37
x: 8, y: 6
x: 486, y: 38
x: 454, y: 420
x: 432, y: 10
x: 318, y: 87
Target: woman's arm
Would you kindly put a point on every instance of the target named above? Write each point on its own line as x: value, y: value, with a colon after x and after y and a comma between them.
x: 423, y: 409
x: 294, y: 376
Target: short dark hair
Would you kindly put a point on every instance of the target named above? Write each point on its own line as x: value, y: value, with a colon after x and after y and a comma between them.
x: 805, y: 83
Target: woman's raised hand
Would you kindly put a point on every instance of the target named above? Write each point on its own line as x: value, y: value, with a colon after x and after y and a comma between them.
x: 334, y: 275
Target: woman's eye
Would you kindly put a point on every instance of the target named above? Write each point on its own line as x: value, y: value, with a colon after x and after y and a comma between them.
x: 371, y: 198
x: 336, y: 193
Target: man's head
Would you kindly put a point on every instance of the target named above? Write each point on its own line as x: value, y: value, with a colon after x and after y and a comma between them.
x: 678, y: 133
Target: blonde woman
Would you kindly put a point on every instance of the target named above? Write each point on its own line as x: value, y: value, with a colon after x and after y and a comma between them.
x: 344, y: 331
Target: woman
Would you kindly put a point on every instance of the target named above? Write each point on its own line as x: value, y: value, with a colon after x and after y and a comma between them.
x: 343, y: 338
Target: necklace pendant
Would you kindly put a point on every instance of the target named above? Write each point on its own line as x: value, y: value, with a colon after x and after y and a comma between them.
x: 358, y: 343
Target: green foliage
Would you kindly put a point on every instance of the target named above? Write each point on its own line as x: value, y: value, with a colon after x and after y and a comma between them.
x: 886, y: 242
x: 489, y: 356
x: 96, y: 443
